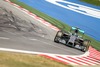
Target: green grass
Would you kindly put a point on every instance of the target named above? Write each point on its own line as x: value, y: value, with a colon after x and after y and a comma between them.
x: 8, y: 59
x: 57, y: 23
x: 94, y: 2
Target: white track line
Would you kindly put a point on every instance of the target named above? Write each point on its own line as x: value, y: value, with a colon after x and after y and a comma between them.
x: 33, y: 39
x: 33, y: 52
x: 24, y: 51
x: 4, y: 38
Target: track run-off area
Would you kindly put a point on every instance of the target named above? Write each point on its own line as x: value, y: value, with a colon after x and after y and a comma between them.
x: 85, y: 17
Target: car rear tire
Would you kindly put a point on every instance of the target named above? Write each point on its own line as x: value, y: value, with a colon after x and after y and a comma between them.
x: 58, y: 36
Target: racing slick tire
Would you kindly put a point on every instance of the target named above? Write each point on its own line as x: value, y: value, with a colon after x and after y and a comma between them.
x: 85, y: 46
x: 58, y: 36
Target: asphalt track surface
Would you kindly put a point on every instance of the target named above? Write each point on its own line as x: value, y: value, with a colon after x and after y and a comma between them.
x: 32, y: 41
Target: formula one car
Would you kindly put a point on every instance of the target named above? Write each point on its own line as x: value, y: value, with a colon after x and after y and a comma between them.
x: 74, y: 39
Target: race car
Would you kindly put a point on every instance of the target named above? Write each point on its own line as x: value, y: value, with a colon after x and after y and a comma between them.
x: 74, y: 38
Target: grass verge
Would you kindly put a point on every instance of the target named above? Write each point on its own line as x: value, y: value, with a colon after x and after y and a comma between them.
x: 55, y: 22
x: 8, y: 59
x: 94, y: 2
